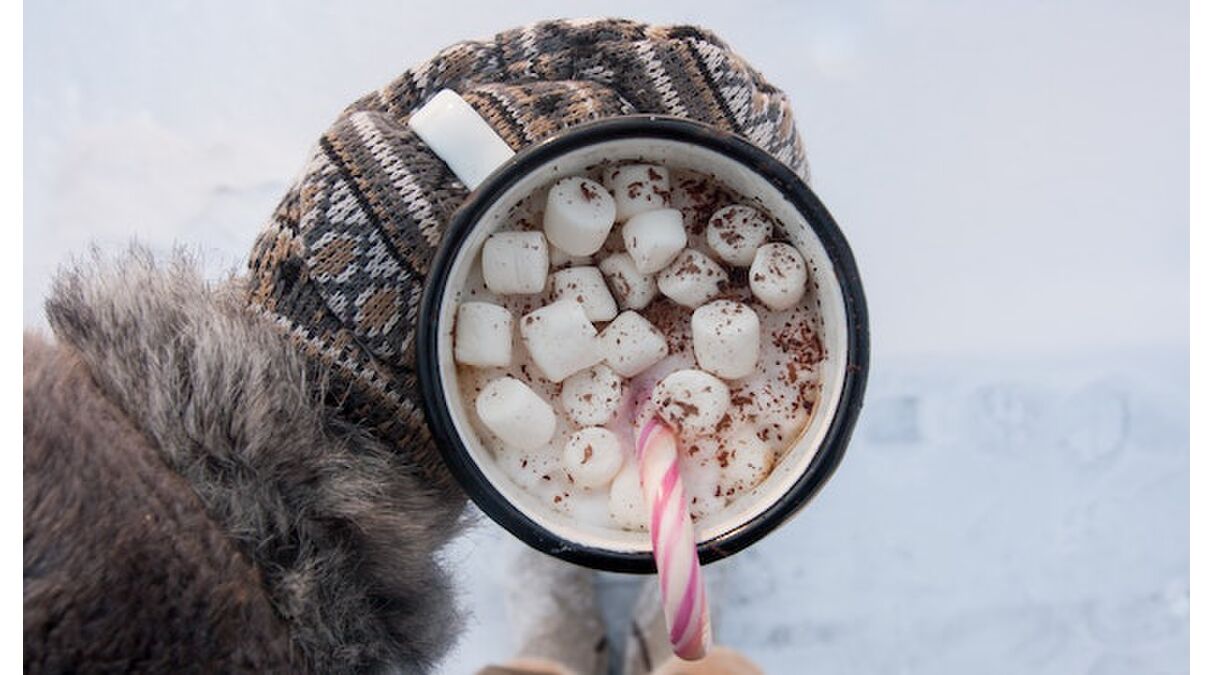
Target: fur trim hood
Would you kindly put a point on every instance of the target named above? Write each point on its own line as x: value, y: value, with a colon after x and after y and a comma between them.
x: 341, y: 528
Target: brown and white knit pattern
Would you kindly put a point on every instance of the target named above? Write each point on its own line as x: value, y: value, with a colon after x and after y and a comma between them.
x: 341, y: 265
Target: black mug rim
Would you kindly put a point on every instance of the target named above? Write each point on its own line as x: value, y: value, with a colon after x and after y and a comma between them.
x: 442, y: 426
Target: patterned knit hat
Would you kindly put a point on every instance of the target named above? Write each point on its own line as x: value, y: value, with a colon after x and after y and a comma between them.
x: 341, y: 266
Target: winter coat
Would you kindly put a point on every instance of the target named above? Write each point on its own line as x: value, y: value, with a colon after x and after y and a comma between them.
x: 193, y: 503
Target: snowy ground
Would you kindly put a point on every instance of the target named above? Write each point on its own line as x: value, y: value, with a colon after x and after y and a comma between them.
x: 1012, y: 177
x: 1024, y: 518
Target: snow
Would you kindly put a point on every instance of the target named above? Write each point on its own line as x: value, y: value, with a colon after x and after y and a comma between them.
x: 1012, y: 177
x: 1029, y: 517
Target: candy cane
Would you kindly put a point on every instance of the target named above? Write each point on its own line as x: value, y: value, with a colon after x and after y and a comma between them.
x: 683, y: 591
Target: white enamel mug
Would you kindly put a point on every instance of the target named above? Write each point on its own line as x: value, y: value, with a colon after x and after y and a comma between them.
x: 498, y: 179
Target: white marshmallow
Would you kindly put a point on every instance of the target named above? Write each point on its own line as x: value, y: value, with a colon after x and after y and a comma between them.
x: 516, y: 414
x: 592, y: 457
x: 527, y: 468
x: 585, y: 285
x: 725, y: 338
x: 778, y: 276
x: 692, y: 279
x: 558, y: 258
x: 560, y: 339
x: 633, y: 290
x: 515, y: 262
x: 701, y: 474
x: 696, y: 198
x: 626, y: 504
x: 748, y: 462
x: 483, y: 335
x: 590, y: 397
x: 736, y: 232
x: 638, y: 188
x: 630, y: 344
x: 578, y: 215
x: 654, y: 238
x: 692, y: 401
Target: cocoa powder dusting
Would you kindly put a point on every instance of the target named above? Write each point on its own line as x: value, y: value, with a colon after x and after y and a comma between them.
x: 724, y: 423
x: 731, y: 237
x: 794, y: 348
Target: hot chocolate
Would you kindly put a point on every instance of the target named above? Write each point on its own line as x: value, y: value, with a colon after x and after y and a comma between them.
x: 630, y: 291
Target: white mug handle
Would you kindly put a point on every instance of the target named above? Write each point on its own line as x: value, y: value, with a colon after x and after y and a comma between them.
x: 460, y: 137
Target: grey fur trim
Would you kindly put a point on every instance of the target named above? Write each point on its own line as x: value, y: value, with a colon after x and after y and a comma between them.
x: 343, y: 532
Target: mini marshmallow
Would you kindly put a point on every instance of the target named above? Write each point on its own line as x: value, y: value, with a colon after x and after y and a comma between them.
x: 558, y: 258
x: 736, y: 232
x: 590, y: 397
x: 696, y: 197
x: 654, y: 238
x: 515, y: 262
x: 778, y: 276
x: 560, y: 339
x: 586, y: 286
x: 630, y: 344
x: 692, y: 401
x: 725, y: 338
x: 747, y: 463
x: 516, y: 414
x: 632, y: 289
x: 592, y: 457
x: 692, y: 279
x: 483, y: 335
x: 638, y: 188
x: 527, y: 468
x: 626, y: 504
x: 701, y: 474
x: 578, y: 215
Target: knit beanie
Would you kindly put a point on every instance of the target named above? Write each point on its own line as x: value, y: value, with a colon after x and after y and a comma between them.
x: 341, y: 265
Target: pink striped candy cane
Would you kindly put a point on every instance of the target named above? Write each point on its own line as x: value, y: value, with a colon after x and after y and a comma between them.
x: 683, y: 591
